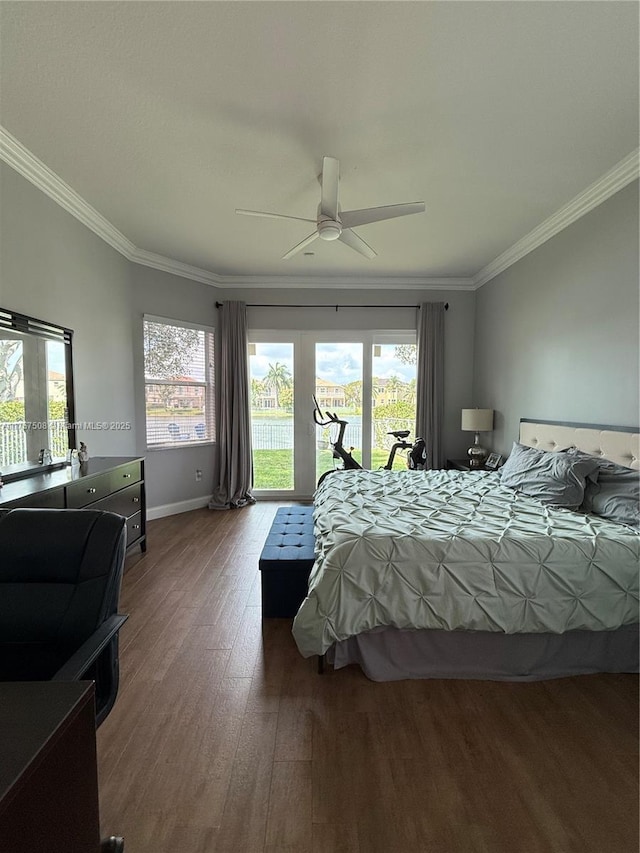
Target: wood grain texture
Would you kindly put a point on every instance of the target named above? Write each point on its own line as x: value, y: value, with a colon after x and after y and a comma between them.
x: 225, y: 740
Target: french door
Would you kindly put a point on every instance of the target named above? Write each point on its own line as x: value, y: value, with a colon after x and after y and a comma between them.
x: 365, y: 378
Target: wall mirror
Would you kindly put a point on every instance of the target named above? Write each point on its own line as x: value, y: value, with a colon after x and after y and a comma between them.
x: 36, y: 395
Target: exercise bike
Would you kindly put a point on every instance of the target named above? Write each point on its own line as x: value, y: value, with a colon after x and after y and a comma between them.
x: 338, y: 450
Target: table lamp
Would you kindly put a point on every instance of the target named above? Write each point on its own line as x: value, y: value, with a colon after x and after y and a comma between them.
x: 477, y: 420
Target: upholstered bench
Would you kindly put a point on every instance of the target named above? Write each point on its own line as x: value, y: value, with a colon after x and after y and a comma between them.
x: 286, y: 561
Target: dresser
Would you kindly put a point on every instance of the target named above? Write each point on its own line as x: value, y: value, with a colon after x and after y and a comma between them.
x: 111, y: 483
x: 48, y: 773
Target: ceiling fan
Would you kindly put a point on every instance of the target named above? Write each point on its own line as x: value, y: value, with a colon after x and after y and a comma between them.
x: 332, y: 223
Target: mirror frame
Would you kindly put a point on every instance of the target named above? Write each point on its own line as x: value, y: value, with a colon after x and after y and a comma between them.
x: 26, y: 325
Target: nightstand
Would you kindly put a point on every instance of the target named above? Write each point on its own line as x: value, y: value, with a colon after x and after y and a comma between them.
x: 461, y: 465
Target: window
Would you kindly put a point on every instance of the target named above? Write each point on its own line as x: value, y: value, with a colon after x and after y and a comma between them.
x: 178, y: 377
x: 36, y: 392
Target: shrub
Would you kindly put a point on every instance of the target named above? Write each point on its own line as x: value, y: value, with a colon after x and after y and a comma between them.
x: 11, y: 410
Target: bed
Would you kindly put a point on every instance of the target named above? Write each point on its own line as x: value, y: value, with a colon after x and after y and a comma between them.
x: 451, y: 574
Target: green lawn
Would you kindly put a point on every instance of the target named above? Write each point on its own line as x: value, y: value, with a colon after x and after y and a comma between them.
x: 273, y: 469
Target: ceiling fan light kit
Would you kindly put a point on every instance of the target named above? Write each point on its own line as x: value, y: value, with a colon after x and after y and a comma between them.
x: 334, y: 224
x: 328, y: 229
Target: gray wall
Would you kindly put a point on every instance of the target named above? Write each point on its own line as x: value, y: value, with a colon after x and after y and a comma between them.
x: 557, y: 332
x: 54, y: 268
x: 171, y: 473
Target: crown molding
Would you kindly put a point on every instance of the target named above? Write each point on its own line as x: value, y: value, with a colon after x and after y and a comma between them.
x: 307, y: 282
x: 160, y: 262
x: 13, y: 152
x: 611, y: 182
x: 360, y: 283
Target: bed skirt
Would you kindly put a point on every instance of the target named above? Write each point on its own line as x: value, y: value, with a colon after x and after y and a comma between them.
x: 391, y: 654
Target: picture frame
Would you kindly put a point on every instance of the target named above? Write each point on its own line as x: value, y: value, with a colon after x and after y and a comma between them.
x: 492, y: 462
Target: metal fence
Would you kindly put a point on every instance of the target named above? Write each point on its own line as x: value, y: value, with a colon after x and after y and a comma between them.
x: 13, y: 441
x: 272, y: 435
x: 266, y: 435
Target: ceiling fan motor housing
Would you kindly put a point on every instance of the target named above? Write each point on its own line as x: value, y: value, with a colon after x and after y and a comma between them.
x: 329, y: 229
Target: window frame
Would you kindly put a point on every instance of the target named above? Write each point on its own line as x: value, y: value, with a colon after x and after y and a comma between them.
x: 304, y: 379
x: 208, y: 384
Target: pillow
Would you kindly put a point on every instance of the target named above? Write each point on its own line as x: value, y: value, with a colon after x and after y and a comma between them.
x: 580, y: 454
x: 552, y: 477
x: 616, y: 495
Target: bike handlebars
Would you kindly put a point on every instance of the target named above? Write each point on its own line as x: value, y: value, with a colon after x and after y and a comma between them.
x: 317, y: 416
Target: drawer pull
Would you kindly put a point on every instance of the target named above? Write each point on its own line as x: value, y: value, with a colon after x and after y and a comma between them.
x: 126, y: 476
x: 91, y: 491
x: 136, y: 527
x: 136, y: 500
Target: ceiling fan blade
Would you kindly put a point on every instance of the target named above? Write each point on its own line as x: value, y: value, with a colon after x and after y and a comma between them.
x: 300, y: 246
x: 330, y: 179
x: 357, y: 243
x: 351, y: 218
x: 271, y: 215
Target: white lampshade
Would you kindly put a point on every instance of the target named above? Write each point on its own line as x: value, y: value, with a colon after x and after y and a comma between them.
x: 477, y: 420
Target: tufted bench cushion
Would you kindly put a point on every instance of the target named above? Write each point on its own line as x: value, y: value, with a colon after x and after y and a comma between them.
x: 286, y: 561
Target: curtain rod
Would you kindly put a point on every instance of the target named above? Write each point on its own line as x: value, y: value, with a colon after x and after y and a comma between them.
x: 272, y: 305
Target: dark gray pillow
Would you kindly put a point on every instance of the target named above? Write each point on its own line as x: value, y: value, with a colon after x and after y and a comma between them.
x: 580, y: 454
x: 555, y: 478
x: 616, y: 494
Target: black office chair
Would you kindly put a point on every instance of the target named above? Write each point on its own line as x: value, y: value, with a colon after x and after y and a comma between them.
x: 60, y: 577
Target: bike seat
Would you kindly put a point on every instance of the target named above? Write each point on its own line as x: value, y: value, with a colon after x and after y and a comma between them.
x: 400, y: 433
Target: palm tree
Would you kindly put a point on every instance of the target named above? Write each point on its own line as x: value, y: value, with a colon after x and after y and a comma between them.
x: 353, y: 394
x: 409, y: 392
x: 278, y: 377
x: 393, y: 386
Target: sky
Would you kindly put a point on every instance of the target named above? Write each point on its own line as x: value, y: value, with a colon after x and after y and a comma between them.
x: 55, y: 356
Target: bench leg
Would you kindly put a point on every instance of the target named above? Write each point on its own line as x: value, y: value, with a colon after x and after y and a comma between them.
x: 320, y: 664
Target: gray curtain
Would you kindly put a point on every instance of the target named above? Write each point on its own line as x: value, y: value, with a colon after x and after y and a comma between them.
x: 430, y: 381
x: 234, y: 419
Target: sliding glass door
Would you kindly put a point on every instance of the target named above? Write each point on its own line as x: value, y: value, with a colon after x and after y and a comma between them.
x: 271, y: 370
x: 393, y: 397
x: 338, y: 390
x: 365, y: 378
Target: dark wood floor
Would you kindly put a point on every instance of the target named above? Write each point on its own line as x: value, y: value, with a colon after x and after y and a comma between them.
x: 224, y: 738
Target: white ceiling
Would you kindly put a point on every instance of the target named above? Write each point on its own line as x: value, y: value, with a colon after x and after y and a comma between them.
x: 166, y: 116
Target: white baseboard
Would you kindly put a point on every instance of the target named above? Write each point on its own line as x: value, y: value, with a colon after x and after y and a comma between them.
x: 176, y: 508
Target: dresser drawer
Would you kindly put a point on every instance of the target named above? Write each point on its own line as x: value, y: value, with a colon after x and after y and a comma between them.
x: 134, y: 528
x: 125, y: 476
x: 87, y: 490
x: 125, y: 502
x: 40, y: 500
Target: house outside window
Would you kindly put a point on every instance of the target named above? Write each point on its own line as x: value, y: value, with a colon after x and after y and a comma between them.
x: 179, y: 383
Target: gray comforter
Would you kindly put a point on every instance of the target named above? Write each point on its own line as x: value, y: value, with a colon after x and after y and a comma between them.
x: 458, y: 551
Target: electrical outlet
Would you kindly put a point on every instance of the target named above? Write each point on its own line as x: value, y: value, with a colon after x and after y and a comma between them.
x: 198, y: 475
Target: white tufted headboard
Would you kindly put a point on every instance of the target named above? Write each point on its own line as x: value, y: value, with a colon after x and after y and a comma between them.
x: 618, y: 444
